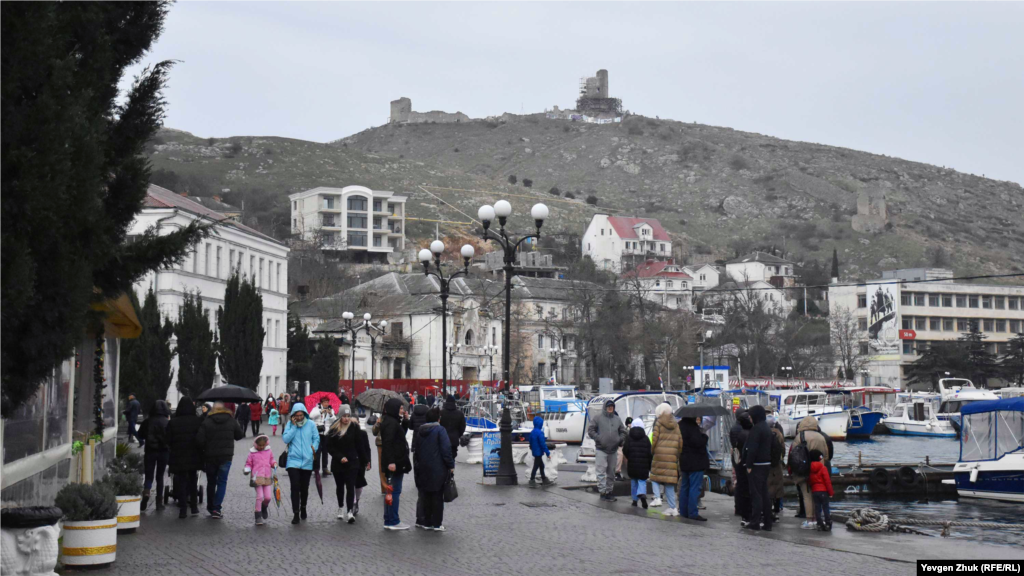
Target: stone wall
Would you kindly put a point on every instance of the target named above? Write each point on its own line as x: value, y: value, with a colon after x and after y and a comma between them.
x: 872, y: 213
x: 400, y: 110
x: 401, y: 113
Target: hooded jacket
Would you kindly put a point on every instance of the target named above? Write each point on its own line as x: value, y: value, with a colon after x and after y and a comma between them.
x: 345, y: 446
x: 302, y: 440
x: 637, y: 451
x: 260, y: 463
x: 815, y: 441
x: 242, y: 412
x: 453, y: 420
x: 217, y: 436
x: 394, y: 448
x: 820, y: 480
x: 538, y: 443
x: 694, y: 457
x: 738, y: 435
x: 274, y: 418
x: 181, y: 437
x: 666, y: 445
x: 607, y: 431
x: 155, y: 428
x: 419, y: 416
x: 757, y: 451
x: 432, y: 453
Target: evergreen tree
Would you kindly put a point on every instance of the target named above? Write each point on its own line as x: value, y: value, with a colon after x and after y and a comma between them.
x: 835, y: 263
x: 196, y: 354
x: 74, y: 174
x: 241, y: 332
x: 324, y: 373
x: 146, y: 361
x: 939, y: 358
x: 1011, y: 365
x: 300, y: 351
x: 980, y: 363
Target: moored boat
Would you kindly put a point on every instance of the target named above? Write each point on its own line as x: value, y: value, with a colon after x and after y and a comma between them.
x: 794, y: 405
x: 991, y: 463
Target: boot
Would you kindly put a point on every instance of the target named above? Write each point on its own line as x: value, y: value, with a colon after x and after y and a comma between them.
x: 145, y: 500
x: 182, y: 512
x: 259, y: 518
x: 263, y: 510
x: 302, y: 512
x: 159, y: 501
x: 643, y: 501
x: 295, y: 519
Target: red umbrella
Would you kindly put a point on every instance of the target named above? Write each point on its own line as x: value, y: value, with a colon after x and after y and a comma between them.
x: 315, y: 398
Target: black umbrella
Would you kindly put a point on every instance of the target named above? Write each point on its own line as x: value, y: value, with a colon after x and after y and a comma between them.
x: 229, y: 393
x: 375, y: 398
x: 701, y: 410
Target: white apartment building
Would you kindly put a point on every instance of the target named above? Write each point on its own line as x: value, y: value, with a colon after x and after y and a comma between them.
x: 664, y: 282
x: 616, y: 243
x: 362, y: 224
x: 232, y: 246
x: 705, y: 276
x: 758, y: 266
x: 900, y: 320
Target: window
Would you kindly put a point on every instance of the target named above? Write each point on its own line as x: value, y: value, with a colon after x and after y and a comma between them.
x: 377, y: 222
x: 963, y: 325
x: 295, y: 205
x: 540, y: 341
x: 239, y: 265
x: 668, y: 284
x: 906, y: 298
x: 218, y: 262
x: 961, y: 301
x: 863, y: 348
x: 1013, y: 303
x: 328, y: 203
x: 1000, y: 325
x: 683, y: 285
x: 357, y: 203
x: 662, y: 247
x: 328, y: 220
x: 252, y: 265
x: 206, y: 263
x: 703, y: 277
x: 494, y: 336
x: 1015, y: 326
x: 295, y: 223
x: 862, y: 324
x: 973, y: 323
x: 377, y: 241
x: 392, y: 208
x: 988, y: 325
x: 908, y: 347
x: 920, y: 323
x: 1000, y: 302
x: 602, y: 231
x: 908, y: 322
x: 259, y: 280
x: 986, y: 302
x: 918, y: 299
x: 356, y: 221
x: 935, y: 324
x: 266, y: 340
x: 947, y: 301
x: 357, y: 238
x: 862, y: 301
x: 933, y: 299
x: 469, y: 337
x: 973, y: 300
x: 378, y: 206
x: 277, y: 332
x: 277, y: 282
x: 231, y: 261
x: 657, y: 283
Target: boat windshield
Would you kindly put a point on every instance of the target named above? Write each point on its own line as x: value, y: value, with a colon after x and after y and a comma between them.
x: 990, y: 435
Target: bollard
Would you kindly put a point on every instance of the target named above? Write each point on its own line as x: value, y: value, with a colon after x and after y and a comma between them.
x: 860, y: 463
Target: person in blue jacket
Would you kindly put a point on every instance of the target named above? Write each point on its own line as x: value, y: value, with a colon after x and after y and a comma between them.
x: 539, y: 448
x: 302, y: 440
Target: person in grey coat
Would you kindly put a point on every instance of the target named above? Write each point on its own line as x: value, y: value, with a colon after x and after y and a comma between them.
x: 608, y: 433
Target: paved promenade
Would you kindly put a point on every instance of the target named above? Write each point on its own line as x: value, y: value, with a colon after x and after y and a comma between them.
x: 504, y: 530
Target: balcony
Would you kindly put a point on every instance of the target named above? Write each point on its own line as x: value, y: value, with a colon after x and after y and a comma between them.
x: 394, y: 228
x: 392, y: 342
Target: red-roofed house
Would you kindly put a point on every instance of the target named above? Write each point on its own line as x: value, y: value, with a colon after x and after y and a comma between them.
x: 612, y: 241
x: 663, y: 282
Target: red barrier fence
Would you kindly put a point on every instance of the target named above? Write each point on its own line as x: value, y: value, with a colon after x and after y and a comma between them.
x: 424, y: 386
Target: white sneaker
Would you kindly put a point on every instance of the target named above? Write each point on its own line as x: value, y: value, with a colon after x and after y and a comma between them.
x: 398, y: 526
x: 808, y: 525
x: 670, y: 512
x: 351, y: 518
x: 438, y: 529
x: 656, y: 502
x: 341, y: 514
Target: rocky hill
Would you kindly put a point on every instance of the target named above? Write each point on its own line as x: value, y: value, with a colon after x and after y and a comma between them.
x: 717, y: 190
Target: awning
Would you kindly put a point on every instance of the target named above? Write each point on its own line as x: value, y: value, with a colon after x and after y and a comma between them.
x: 119, y: 319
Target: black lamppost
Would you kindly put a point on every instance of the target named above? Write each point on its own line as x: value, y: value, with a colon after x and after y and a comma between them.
x: 379, y: 329
x: 348, y: 316
x: 502, y: 210
x: 436, y: 249
x: 491, y: 351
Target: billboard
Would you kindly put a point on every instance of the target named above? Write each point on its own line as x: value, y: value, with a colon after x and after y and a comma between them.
x: 491, y: 452
x: 883, y: 320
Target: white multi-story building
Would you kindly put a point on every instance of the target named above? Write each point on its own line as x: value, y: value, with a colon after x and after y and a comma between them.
x: 663, y: 282
x: 900, y: 319
x: 705, y: 276
x: 758, y: 266
x: 366, y: 225
x: 232, y: 246
x: 616, y: 242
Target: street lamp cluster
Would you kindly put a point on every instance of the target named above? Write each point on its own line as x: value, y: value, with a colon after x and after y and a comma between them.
x: 373, y: 331
x: 436, y: 249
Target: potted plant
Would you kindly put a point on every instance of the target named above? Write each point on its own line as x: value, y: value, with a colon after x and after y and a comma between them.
x: 90, y: 524
x: 127, y: 485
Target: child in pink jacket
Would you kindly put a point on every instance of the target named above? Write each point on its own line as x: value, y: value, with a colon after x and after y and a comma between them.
x: 261, y: 465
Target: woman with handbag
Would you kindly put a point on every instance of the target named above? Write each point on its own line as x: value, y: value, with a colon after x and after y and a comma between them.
x: 302, y: 440
x: 433, y: 465
x: 342, y: 443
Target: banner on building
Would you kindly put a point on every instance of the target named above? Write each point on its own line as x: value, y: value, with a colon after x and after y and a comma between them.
x: 883, y: 320
x: 492, y: 452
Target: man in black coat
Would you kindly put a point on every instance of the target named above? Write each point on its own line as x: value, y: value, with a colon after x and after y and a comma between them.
x: 419, y: 413
x: 217, y: 437
x: 454, y: 422
x: 737, y: 438
x: 434, y: 464
x: 186, y: 459
x: 131, y: 414
x: 757, y: 459
x: 693, y: 461
x: 243, y: 414
x: 156, y: 452
x: 394, y: 458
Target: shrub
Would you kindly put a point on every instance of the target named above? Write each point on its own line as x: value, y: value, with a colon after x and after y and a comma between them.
x: 123, y: 483
x: 555, y: 191
x: 84, y: 502
x: 129, y: 462
x: 652, y: 122
x: 527, y: 183
x: 235, y: 147
x: 491, y: 124
x: 512, y: 179
x: 592, y: 199
x: 211, y: 141
x: 570, y: 195
x: 635, y: 130
x: 268, y: 151
x: 121, y: 449
x: 737, y: 162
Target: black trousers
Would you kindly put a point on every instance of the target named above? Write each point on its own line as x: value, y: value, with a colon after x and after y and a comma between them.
x: 255, y: 427
x: 322, y: 460
x: 345, y: 484
x: 822, y: 513
x: 433, y: 508
x: 185, y: 489
x: 156, y: 467
x: 741, y: 493
x: 760, y: 503
x: 538, y: 464
x: 299, y: 480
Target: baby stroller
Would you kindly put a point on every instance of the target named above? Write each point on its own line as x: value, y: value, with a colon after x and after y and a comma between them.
x: 170, y: 489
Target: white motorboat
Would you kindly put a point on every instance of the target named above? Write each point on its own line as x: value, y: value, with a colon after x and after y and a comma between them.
x: 795, y: 405
x: 560, y: 406
x: 484, y: 415
x: 955, y: 393
x: 915, y: 415
x: 991, y: 463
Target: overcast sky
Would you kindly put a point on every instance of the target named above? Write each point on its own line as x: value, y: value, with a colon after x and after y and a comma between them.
x: 938, y: 83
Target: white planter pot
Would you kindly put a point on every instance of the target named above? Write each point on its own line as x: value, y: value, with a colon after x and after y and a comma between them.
x: 128, y: 513
x: 90, y: 543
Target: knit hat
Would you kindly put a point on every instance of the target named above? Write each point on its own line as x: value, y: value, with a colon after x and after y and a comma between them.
x: 637, y: 423
x: 345, y: 410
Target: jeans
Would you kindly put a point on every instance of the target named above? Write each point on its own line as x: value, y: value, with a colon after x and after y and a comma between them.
x: 670, y: 493
x: 216, y: 484
x: 391, y: 512
x: 538, y: 464
x: 637, y: 488
x: 321, y: 459
x: 656, y: 488
x: 433, y: 508
x: 760, y: 503
x: 689, y: 493
x: 299, y: 481
x: 156, y: 462
x: 605, y: 464
x: 133, y: 432
x: 822, y: 514
x: 185, y: 489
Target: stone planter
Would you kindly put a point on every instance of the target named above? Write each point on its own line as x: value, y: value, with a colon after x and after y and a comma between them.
x: 30, y: 540
x: 90, y: 542
x: 128, y: 513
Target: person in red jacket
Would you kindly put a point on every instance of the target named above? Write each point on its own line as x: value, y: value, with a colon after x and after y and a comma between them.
x: 255, y: 417
x: 820, y: 482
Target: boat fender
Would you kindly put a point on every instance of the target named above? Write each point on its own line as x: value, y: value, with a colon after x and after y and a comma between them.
x: 974, y: 476
x: 880, y: 480
x: 907, y: 476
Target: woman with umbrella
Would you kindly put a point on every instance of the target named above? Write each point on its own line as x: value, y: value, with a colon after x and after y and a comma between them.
x: 302, y: 441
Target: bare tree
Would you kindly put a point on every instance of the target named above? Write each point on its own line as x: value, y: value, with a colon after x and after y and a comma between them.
x: 845, y: 336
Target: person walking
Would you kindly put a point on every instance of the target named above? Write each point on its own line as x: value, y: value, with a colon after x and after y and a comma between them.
x: 303, y: 441
x: 666, y: 446
x: 261, y: 464
x: 434, y: 464
x: 216, y: 438
x: 637, y: 450
x: 394, y: 458
x: 131, y: 414
x: 242, y: 415
x: 454, y: 422
x: 363, y: 448
x: 608, y: 433
x: 757, y: 461
x: 324, y: 417
x: 186, y: 459
x: 693, y: 461
x: 419, y: 413
x: 342, y: 441
x: 256, y: 417
x: 539, y: 449
x: 809, y: 435
x: 156, y: 452
x: 737, y: 438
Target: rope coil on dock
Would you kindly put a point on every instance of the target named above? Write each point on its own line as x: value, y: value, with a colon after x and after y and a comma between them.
x: 871, y: 520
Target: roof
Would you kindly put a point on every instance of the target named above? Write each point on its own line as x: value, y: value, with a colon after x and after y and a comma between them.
x: 762, y: 257
x: 355, y: 188
x: 215, y: 204
x: 626, y: 227
x: 1005, y: 404
x: 758, y: 284
x: 158, y: 197
x: 651, y: 269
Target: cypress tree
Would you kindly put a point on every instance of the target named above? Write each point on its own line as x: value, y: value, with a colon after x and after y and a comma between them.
x: 74, y: 174
x: 300, y: 351
x: 1012, y: 363
x: 835, y: 263
x: 324, y: 374
x: 241, y: 333
x: 196, y: 355
x: 146, y: 361
x: 980, y: 364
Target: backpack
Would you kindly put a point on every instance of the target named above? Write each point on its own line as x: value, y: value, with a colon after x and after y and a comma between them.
x: 800, y: 458
x: 778, y: 448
